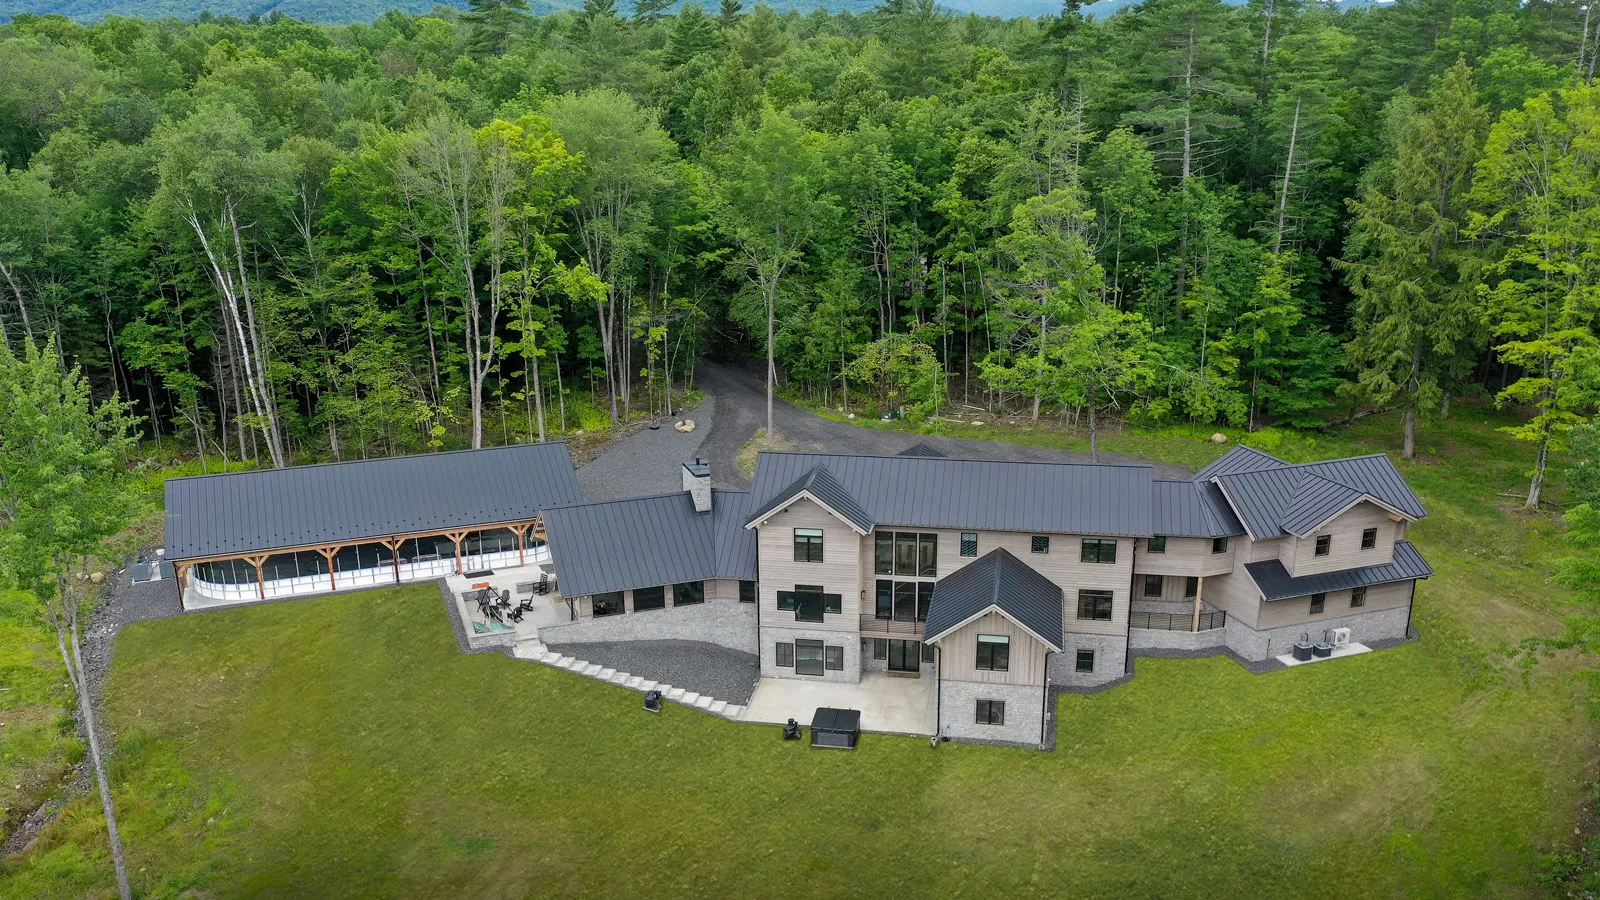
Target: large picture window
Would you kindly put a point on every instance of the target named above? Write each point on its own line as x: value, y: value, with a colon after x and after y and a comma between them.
x: 991, y: 712
x: 810, y: 603
x: 688, y: 593
x: 994, y: 653
x: 808, y: 545
x: 1097, y: 550
x: 649, y: 598
x: 1094, y: 605
x: 905, y: 601
x: 607, y: 604
x: 808, y: 657
x: 905, y: 553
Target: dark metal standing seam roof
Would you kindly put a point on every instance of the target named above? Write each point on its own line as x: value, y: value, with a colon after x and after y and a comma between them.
x: 820, y: 483
x: 1317, y: 500
x: 1239, y: 459
x: 1297, y: 498
x: 1276, y: 583
x: 274, y: 509
x: 922, y: 449
x: 1001, y: 580
x: 1046, y: 497
x: 1190, y: 509
x: 618, y: 545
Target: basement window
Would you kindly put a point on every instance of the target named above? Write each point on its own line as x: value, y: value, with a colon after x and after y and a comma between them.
x: 991, y: 712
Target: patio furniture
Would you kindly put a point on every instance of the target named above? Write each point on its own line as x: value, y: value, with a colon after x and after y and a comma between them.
x: 526, y: 605
x: 495, y: 614
x: 515, y: 614
x: 543, y: 587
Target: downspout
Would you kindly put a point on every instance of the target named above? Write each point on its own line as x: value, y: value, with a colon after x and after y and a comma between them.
x: 1410, y: 605
x: 938, y: 693
x: 1044, y: 704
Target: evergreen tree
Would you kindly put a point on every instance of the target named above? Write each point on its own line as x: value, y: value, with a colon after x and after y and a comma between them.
x: 728, y: 13
x: 493, y: 24
x: 1415, y: 296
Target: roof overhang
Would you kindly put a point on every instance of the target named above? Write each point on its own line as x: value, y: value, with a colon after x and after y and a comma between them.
x: 1395, y: 514
x: 761, y: 519
x: 993, y: 607
x: 1243, y: 522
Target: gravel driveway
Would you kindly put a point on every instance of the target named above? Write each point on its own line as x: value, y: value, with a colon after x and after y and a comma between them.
x: 646, y: 462
x: 742, y: 409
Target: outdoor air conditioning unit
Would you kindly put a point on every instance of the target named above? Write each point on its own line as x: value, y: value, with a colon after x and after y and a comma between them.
x: 1339, y: 637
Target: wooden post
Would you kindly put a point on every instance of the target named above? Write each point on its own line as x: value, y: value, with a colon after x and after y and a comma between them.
x: 1199, y: 591
x: 456, y: 538
x: 394, y: 555
x: 261, y: 586
x: 328, y: 554
x: 182, y: 573
x: 522, y: 554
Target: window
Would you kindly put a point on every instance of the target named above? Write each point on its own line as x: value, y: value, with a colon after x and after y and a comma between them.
x: 927, y: 653
x: 1219, y: 545
x: 883, y: 553
x: 786, y: 601
x: 833, y: 658
x: 924, y: 599
x: 991, y: 712
x: 1358, y: 597
x: 994, y: 652
x: 786, y: 655
x: 1317, y: 602
x: 608, y: 604
x: 905, y: 601
x: 927, y: 555
x: 688, y: 593
x: 1369, y: 538
x: 808, y: 658
x: 810, y: 603
x: 1157, y: 544
x: 905, y: 553
x: 747, y: 592
x: 1191, y: 586
x: 1096, y: 550
x: 1085, y: 661
x: 1041, y: 543
x: 1094, y: 605
x: 808, y: 545
x: 649, y: 598
x: 880, y: 648
x: 885, y: 600
x: 969, y: 543
x: 1153, y: 585
x: 1324, y: 544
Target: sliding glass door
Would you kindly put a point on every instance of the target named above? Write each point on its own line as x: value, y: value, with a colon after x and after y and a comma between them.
x: 905, y: 656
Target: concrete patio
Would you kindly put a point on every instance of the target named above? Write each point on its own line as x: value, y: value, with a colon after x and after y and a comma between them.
x: 548, y: 609
x: 888, y: 704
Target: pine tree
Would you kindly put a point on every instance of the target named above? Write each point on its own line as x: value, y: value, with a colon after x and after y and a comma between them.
x: 1405, y: 263
x: 493, y: 24
x: 728, y: 13
x: 692, y: 33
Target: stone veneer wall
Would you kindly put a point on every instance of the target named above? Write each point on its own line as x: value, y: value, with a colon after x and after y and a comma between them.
x: 1110, y: 658
x: 721, y: 621
x: 771, y: 637
x: 1380, y: 625
x: 958, y: 705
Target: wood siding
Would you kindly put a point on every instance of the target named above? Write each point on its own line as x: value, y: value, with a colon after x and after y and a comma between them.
x: 960, y: 650
x: 838, y: 573
x: 1345, y: 550
x: 1297, y: 610
x: 1235, y: 594
x: 1185, y: 556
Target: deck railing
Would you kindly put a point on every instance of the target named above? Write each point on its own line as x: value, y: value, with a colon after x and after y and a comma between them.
x: 898, y: 627
x: 1156, y: 621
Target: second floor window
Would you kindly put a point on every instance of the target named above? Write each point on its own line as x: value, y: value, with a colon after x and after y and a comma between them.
x: 1317, y: 602
x: 809, y: 603
x: 1358, y: 597
x: 1324, y: 544
x: 808, y: 545
x: 905, y: 553
x: 1219, y: 545
x: 1041, y: 543
x: 1096, y: 550
x: 969, y: 543
x: 994, y: 652
x: 1157, y: 544
x: 1095, y: 605
x: 1369, y: 538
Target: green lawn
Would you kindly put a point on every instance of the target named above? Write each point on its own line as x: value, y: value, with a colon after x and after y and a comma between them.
x: 343, y: 747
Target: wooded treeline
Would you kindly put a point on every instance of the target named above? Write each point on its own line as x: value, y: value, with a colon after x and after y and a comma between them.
x: 290, y: 242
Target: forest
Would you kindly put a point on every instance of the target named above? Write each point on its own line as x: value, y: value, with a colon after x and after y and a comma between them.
x: 286, y: 242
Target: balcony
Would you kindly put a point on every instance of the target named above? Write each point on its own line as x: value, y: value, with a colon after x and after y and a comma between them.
x: 872, y: 626
x: 1160, y: 621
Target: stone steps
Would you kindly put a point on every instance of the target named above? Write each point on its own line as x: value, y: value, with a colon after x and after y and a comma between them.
x: 534, y: 650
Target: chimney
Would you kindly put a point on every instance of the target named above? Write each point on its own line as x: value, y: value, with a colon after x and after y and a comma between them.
x: 697, y: 482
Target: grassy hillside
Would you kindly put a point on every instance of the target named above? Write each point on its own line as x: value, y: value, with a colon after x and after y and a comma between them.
x: 343, y: 746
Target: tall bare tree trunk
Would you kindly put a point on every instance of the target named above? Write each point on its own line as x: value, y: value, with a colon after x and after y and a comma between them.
x: 22, y: 303
x: 1288, y: 173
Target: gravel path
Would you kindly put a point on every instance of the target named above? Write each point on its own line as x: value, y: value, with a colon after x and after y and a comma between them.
x: 646, y: 462
x: 742, y: 409
x: 694, y: 666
